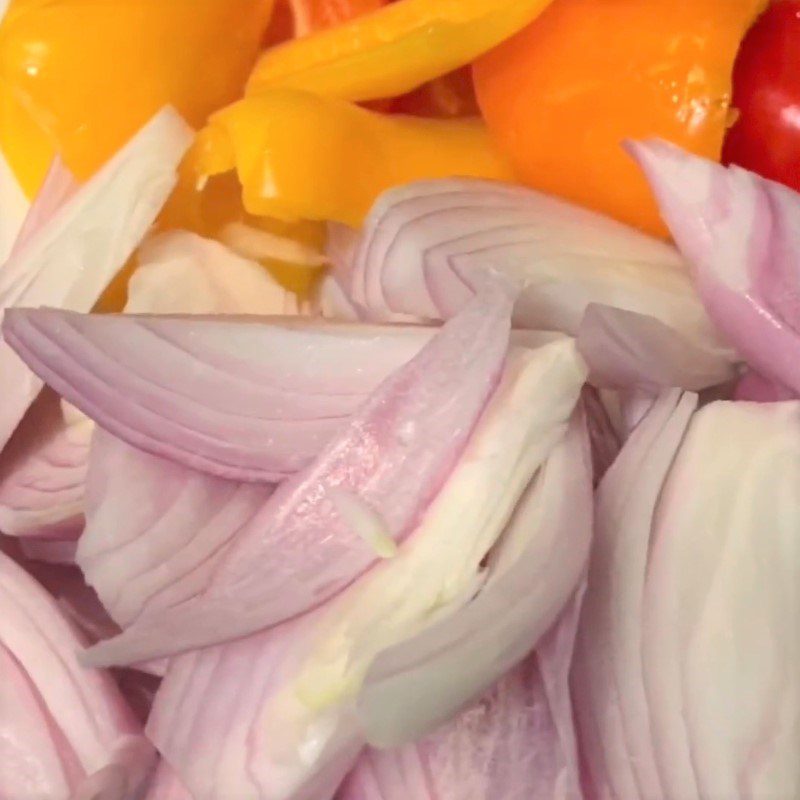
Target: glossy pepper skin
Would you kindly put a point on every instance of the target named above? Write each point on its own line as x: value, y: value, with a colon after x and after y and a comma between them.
x: 392, y: 50
x: 301, y: 156
x: 562, y: 95
x: 450, y: 95
x: 766, y: 94
x: 80, y: 76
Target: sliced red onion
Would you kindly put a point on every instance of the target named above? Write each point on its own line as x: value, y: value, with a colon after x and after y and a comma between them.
x: 393, y: 456
x: 259, y: 408
x: 424, y: 244
x: 43, y: 469
x: 79, y: 246
x: 759, y: 389
x: 49, y: 551
x: 167, y: 786
x: 13, y: 202
x: 741, y: 233
x: 280, y: 722
x: 115, y: 529
x: 331, y: 301
x: 76, y: 599
x: 684, y: 678
x: 31, y: 759
x: 720, y: 605
x: 66, y: 729
x: 81, y: 606
x: 227, y: 721
x: 58, y: 186
x: 156, y: 530
x: 181, y: 272
x: 518, y: 741
x: 612, y: 708
x: 332, y: 298
x: 604, y: 436
x: 533, y: 571
x: 626, y: 350
x: 42, y: 472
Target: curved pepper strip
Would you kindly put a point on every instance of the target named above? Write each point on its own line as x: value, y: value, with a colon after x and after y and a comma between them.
x: 561, y: 95
x: 212, y: 208
x: 394, y: 49
x: 80, y: 77
x: 296, y: 154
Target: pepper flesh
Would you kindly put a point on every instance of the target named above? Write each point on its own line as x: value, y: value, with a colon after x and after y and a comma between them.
x: 317, y: 15
x: 392, y: 50
x: 451, y: 95
x: 81, y: 76
x: 561, y: 95
x: 300, y: 156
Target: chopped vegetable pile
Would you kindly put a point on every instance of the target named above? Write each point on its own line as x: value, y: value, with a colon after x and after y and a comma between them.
x: 400, y: 400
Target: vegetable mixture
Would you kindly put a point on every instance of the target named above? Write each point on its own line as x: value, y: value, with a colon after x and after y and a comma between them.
x: 400, y: 400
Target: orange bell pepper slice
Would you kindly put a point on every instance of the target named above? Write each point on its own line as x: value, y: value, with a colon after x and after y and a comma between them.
x: 301, y: 156
x: 81, y: 76
x: 561, y: 95
x: 281, y: 25
x: 392, y: 50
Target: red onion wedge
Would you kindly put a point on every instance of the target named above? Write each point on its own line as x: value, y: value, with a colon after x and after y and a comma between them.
x: 260, y: 408
x: 58, y: 186
x: 627, y: 350
x: 759, y: 389
x: 517, y: 741
x: 181, y: 272
x: 50, y: 562
x: 606, y: 657
x: 167, y: 786
x: 13, y: 202
x: 280, y: 722
x: 684, y: 678
x: 423, y: 245
x: 229, y: 724
x: 78, y: 247
x: 531, y: 573
x: 66, y: 731
x: 65, y: 583
x: 156, y: 530
x: 364, y: 492
x: 43, y: 469
x: 741, y: 233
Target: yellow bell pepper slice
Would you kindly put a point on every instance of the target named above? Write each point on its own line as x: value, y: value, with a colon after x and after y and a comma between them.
x: 81, y: 76
x: 301, y: 156
x: 393, y: 50
x: 214, y: 208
